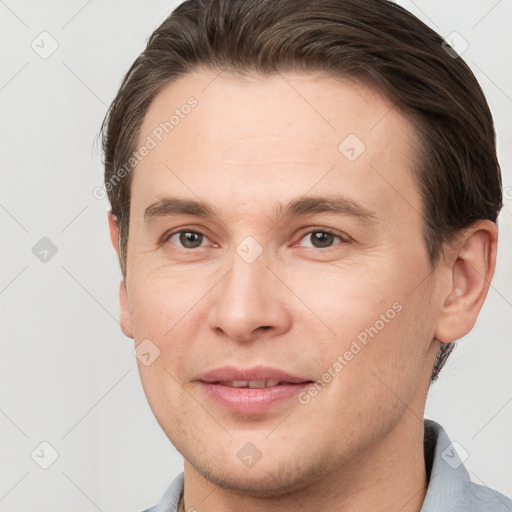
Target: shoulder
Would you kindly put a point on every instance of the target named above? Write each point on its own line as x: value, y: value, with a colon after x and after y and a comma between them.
x: 450, y: 487
x: 486, y: 499
x: 171, y: 498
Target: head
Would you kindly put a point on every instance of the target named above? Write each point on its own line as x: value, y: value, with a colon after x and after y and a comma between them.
x: 335, y: 170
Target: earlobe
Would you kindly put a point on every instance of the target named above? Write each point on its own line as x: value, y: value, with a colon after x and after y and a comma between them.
x: 113, y: 227
x: 471, y: 274
x: 125, y: 315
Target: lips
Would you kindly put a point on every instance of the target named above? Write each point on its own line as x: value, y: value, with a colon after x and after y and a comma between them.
x: 248, y: 375
x: 268, y: 383
x: 251, y: 391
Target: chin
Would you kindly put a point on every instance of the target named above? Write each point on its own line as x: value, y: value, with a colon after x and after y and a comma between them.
x: 260, y: 484
x: 263, y: 480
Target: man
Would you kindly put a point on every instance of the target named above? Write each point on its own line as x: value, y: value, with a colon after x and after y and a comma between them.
x: 304, y: 202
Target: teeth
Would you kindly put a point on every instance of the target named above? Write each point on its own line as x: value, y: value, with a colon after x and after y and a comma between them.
x: 251, y: 383
x: 238, y: 383
x: 257, y: 383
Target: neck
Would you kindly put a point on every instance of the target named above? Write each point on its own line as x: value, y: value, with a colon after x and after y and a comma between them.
x: 390, y: 476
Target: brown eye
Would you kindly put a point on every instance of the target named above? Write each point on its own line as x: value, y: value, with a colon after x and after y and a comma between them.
x: 187, y: 239
x: 321, y: 239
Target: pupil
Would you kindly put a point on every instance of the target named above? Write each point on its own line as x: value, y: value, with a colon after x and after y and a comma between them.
x: 322, y: 239
x: 190, y: 239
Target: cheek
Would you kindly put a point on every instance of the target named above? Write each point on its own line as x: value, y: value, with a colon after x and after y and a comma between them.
x: 340, y: 300
x: 369, y: 379
x: 162, y: 303
x: 162, y: 320
x: 378, y: 330
x: 168, y: 310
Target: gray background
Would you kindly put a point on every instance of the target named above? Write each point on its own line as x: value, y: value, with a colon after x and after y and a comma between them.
x: 67, y: 374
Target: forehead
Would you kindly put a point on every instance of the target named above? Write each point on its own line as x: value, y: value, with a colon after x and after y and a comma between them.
x: 282, y: 134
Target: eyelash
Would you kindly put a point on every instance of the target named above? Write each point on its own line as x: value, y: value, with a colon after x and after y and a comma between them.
x: 343, y: 238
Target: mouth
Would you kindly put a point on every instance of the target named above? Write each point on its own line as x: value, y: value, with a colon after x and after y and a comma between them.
x: 253, y: 384
x: 251, y: 391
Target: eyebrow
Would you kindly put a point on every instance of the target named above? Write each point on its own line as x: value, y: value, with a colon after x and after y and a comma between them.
x: 301, y: 207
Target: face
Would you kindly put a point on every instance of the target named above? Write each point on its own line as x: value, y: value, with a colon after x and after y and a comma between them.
x: 276, y: 240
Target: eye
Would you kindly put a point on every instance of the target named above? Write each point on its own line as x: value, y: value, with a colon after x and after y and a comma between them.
x: 187, y: 239
x: 321, y: 239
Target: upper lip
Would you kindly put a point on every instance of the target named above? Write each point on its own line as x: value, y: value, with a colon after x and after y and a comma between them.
x: 232, y: 373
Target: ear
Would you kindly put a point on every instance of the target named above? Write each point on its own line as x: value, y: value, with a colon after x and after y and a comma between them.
x: 125, y: 315
x: 113, y: 227
x: 474, y: 260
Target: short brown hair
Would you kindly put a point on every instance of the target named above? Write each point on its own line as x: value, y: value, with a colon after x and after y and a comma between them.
x: 375, y: 42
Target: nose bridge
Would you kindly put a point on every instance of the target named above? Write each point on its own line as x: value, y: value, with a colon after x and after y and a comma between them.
x: 250, y: 278
x: 247, y: 288
x: 248, y: 298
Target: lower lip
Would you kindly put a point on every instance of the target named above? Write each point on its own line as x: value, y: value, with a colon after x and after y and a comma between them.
x: 251, y: 400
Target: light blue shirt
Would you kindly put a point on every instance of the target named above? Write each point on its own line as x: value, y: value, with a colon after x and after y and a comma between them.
x: 449, y: 489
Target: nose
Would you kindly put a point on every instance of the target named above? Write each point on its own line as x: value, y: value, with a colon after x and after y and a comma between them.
x: 249, y: 302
